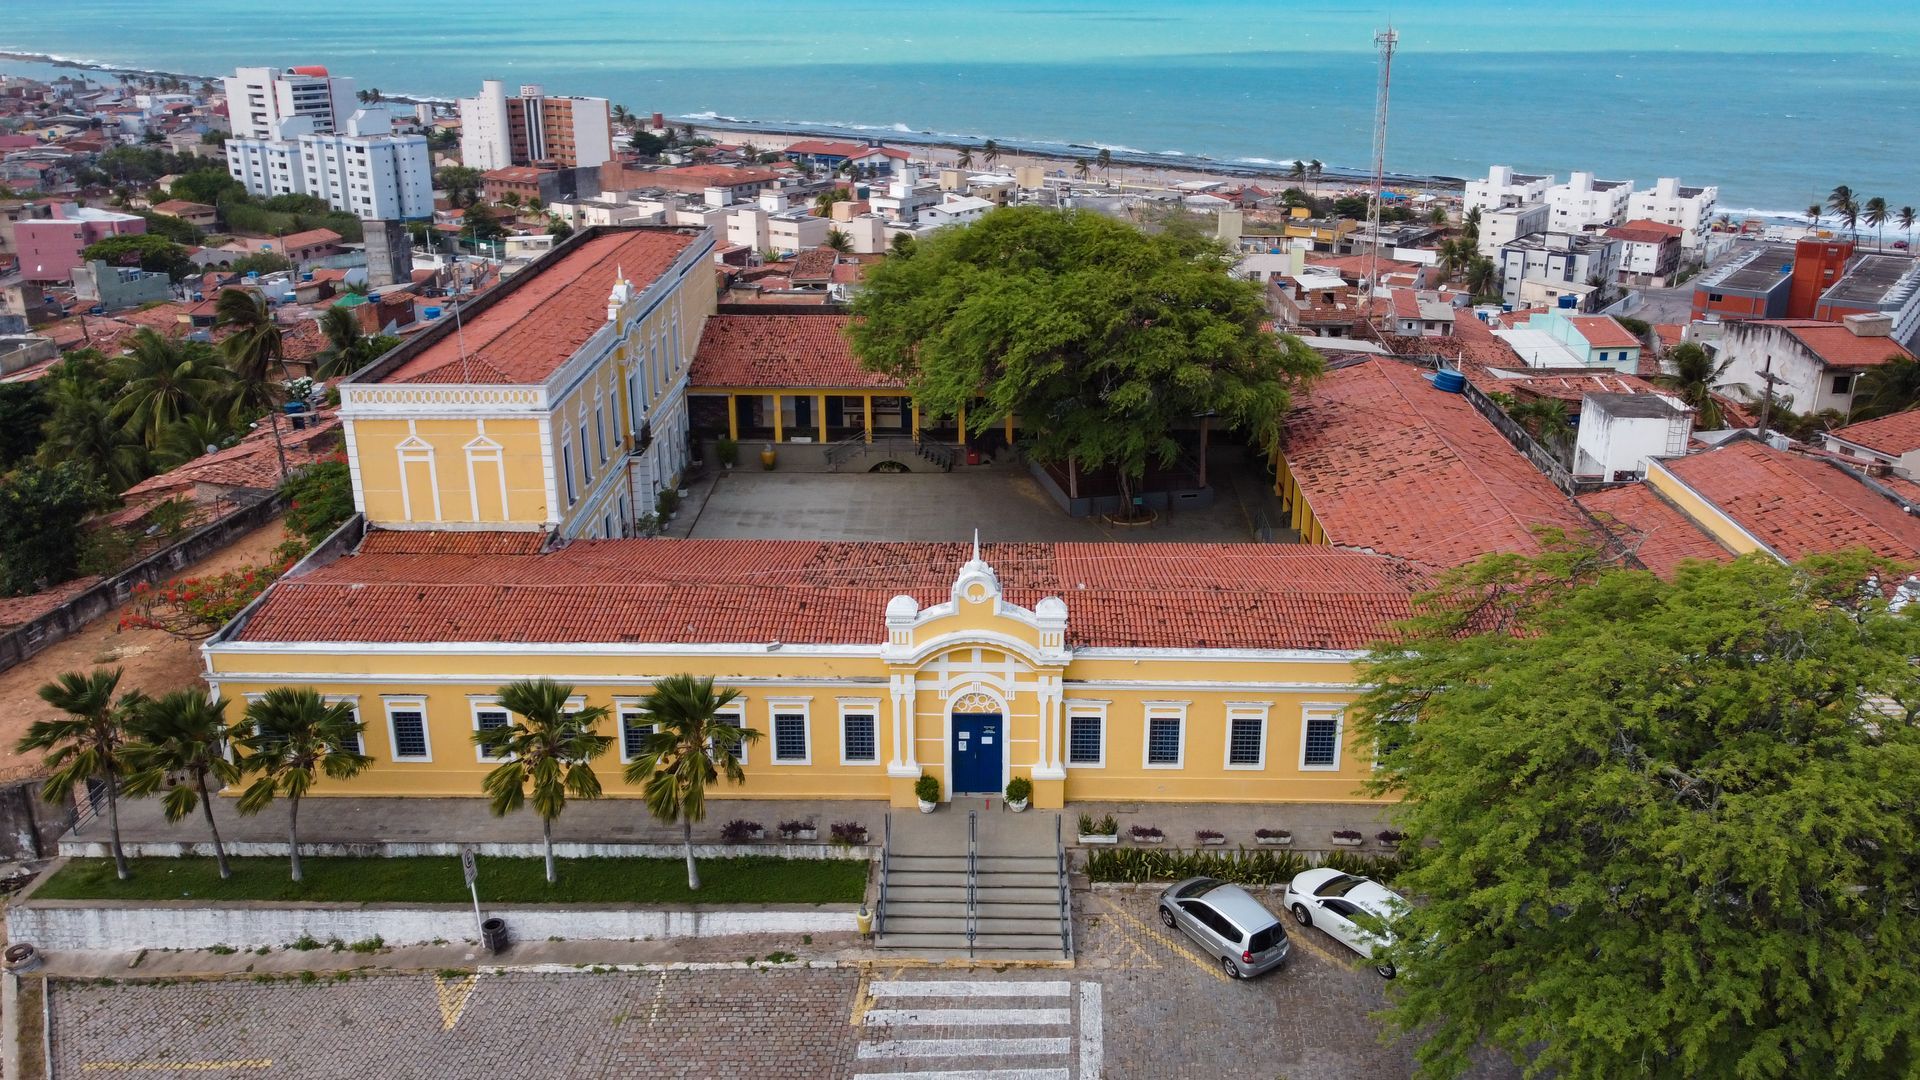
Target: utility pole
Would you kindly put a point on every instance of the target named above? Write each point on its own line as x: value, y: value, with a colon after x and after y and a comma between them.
x: 1766, y: 403
x: 1385, y: 41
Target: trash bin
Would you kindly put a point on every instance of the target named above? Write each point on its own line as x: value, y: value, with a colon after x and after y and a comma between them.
x: 493, y: 934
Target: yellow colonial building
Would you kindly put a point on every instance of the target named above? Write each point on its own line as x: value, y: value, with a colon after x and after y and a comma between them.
x: 555, y: 401
x: 1182, y: 672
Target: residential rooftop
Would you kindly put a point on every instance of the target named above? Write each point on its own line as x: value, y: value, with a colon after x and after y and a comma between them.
x: 1891, y: 435
x: 1658, y: 534
x: 1885, y: 282
x: 1794, y: 504
x: 434, y: 589
x: 1836, y: 345
x: 1757, y: 272
x: 781, y: 351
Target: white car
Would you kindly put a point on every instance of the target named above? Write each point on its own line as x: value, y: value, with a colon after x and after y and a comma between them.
x: 1331, y: 900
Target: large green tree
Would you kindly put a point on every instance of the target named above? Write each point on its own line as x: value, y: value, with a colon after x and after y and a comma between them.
x: 41, y: 508
x: 1103, y: 340
x: 148, y: 251
x: 460, y: 182
x: 87, y: 742
x: 689, y: 749
x: 547, y: 753
x: 183, y: 733
x: 163, y: 380
x: 291, y: 737
x: 1656, y: 828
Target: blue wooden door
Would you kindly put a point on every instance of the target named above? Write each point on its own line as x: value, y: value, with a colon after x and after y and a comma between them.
x: 976, y: 753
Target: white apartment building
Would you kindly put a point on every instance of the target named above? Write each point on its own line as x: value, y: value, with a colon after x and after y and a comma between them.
x: 956, y: 210
x: 1671, y: 203
x: 1504, y: 188
x: 1583, y: 201
x: 260, y: 97
x: 1546, y: 266
x: 1503, y: 225
x: 796, y: 230
x: 363, y: 168
x: 497, y: 131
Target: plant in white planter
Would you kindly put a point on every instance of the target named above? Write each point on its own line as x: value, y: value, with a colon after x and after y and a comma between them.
x: 1019, y: 793
x: 1346, y: 838
x: 799, y: 830
x: 1104, y: 831
x: 740, y: 830
x: 1209, y: 838
x: 1272, y: 837
x: 927, y: 790
x: 1146, y: 834
x: 1390, y: 838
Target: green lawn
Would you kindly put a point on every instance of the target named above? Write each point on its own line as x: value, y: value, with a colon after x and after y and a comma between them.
x: 751, y: 880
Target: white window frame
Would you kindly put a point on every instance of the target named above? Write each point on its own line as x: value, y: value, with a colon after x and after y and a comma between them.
x: 408, y: 703
x: 477, y: 704
x: 1326, y: 711
x: 1094, y: 710
x: 737, y: 708
x: 1381, y: 726
x: 869, y: 708
x: 621, y: 707
x: 350, y: 699
x: 777, y: 707
x: 566, y: 467
x: 1257, y: 711
x: 1162, y: 710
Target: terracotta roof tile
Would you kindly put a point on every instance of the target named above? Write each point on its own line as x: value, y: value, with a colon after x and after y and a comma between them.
x: 1389, y: 464
x: 1602, y: 332
x: 1652, y: 528
x: 1837, y: 346
x: 781, y: 351
x: 253, y: 462
x: 1797, y: 505
x: 808, y: 592
x: 1891, y: 435
x: 551, y: 310
x: 815, y: 265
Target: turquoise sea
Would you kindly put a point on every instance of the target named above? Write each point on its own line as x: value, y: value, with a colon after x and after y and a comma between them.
x: 1776, y: 101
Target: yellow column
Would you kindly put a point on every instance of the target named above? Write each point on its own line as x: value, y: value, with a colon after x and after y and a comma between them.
x: 916, y: 419
x: 779, y: 426
x: 733, y: 417
x: 1009, y: 429
x: 867, y: 413
x: 820, y: 405
x: 961, y: 436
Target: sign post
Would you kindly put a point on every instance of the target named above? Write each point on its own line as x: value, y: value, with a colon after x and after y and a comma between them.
x: 472, y: 873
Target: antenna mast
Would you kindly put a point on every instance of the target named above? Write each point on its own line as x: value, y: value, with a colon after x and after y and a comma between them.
x: 1385, y: 41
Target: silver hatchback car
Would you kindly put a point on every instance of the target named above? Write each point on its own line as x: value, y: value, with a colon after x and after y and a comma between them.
x: 1228, y: 923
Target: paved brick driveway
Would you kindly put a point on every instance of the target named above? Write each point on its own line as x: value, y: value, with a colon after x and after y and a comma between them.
x: 1142, y: 1003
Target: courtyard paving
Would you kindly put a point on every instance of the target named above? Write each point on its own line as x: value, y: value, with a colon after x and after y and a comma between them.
x: 1142, y: 1002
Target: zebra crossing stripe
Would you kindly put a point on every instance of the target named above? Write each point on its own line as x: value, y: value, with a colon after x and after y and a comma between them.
x: 922, y: 1048
x: 971, y: 1074
x: 967, y: 1017
x: 903, y: 988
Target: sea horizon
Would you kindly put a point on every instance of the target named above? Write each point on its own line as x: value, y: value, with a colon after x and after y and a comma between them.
x: 1774, y: 113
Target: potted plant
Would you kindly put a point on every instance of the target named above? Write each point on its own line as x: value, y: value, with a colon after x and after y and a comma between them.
x: 767, y: 457
x: 1346, y: 838
x: 1019, y: 792
x: 1104, y: 831
x: 666, y: 502
x: 1390, y: 838
x: 848, y: 833
x: 727, y: 451
x: 740, y: 830
x: 1146, y: 834
x: 799, y: 830
x: 1209, y: 837
x: 927, y: 790
x: 1272, y: 837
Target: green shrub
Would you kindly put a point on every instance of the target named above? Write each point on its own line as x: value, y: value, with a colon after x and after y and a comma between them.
x: 319, y: 500
x: 666, y: 502
x: 727, y: 451
x: 1019, y: 789
x: 1106, y: 826
x: 104, y: 552
x: 927, y: 788
x: 1242, y: 867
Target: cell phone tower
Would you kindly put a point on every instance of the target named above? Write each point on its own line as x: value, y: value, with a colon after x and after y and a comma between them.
x: 1385, y: 41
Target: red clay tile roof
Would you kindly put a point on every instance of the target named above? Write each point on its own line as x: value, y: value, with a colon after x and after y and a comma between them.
x: 1644, y: 231
x: 253, y: 462
x: 309, y: 238
x: 551, y: 310
x: 1837, y: 346
x: 1602, y: 332
x: 1796, y: 505
x: 181, y: 206
x: 1669, y: 333
x: 1572, y: 386
x: 808, y: 592
x: 1479, y: 343
x: 802, y: 352
x: 1890, y: 435
x: 815, y: 264
x: 1652, y: 528
x: 1389, y: 464
x: 825, y: 147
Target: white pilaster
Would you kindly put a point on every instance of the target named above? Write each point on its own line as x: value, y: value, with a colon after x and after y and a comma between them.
x: 904, y: 732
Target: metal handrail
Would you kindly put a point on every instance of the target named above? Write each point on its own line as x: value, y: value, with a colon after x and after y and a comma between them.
x: 973, y: 881
x: 843, y: 448
x: 886, y: 847
x: 1066, y: 911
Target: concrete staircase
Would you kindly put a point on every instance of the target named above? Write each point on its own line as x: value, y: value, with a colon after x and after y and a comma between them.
x: 1016, y: 896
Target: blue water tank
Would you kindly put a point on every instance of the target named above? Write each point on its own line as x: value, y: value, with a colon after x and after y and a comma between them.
x: 198, y: 297
x: 1450, y: 382
x: 431, y: 312
x: 1569, y: 302
x: 308, y: 276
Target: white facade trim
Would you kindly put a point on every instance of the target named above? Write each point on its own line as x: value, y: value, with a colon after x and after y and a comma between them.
x: 1259, y: 713
x: 407, y: 703
x: 1323, y: 711
x: 1162, y: 710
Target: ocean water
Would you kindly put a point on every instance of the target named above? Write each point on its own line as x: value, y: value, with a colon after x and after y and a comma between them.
x: 1776, y: 101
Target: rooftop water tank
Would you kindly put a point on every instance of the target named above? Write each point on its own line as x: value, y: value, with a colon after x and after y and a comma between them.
x: 1449, y: 382
x: 431, y: 313
x: 1569, y: 302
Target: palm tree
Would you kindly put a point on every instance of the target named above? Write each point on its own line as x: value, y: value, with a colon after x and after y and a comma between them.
x: 1470, y: 226
x: 188, y: 438
x: 1905, y: 218
x: 990, y: 151
x: 1103, y: 160
x: 1482, y: 276
x: 1314, y: 168
x: 1692, y: 376
x: 1082, y: 168
x: 88, y: 743
x: 1545, y: 419
x: 291, y: 736
x: 965, y: 160
x: 689, y: 749
x: 1456, y: 255
x: 840, y: 241
x: 348, y: 347
x: 163, y: 380
x: 548, y: 753
x: 1438, y: 216
x: 1876, y: 213
x: 1890, y: 387
x: 82, y: 427
x: 1299, y: 171
x: 1841, y: 201
x: 1813, y: 216
x: 252, y: 350
x: 183, y: 732
x: 622, y: 117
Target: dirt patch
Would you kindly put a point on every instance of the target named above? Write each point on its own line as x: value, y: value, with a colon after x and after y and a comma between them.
x: 150, y: 660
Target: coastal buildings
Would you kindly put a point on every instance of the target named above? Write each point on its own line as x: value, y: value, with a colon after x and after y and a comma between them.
x: 1505, y: 189
x: 1649, y: 251
x: 1813, y: 365
x: 532, y: 127
x: 49, y: 248
x: 1818, y: 278
x: 1502, y: 226
x: 258, y: 98
x: 1584, y: 201
x: 1544, y: 267
x: 1559, y: 339
x: 1670, y: 202
x: 363, y: 167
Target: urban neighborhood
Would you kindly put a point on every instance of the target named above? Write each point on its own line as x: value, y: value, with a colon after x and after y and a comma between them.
x: 518, y: 581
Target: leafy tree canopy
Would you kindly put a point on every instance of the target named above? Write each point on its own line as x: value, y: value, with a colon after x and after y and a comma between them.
x: 648, y: 143
x: 261, y: 262
x: 208, y: 185
x: 22, y: 411
x: 1100, y: 338
x: 1657, y: 828
x: 461, y: 183
x: 178, y: 230
x: 40, y: 513
x: 148, y: 251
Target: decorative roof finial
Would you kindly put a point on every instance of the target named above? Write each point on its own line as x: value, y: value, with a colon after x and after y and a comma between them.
x: 976, y: 544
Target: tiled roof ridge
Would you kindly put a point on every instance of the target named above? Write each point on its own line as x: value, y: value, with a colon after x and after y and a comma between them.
x: 472, y: 349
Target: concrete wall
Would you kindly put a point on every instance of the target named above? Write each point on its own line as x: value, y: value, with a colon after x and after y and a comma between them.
x: 95, y: 846
x: 29, y: 826
x: 54, y: 925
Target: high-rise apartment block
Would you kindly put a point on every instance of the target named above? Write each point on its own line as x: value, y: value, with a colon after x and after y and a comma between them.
x: 362, y: 167
x: 260, y: 97
x: 531, y: 128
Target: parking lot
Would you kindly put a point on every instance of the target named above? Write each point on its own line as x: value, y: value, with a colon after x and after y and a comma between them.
x: 1141, y: 1002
